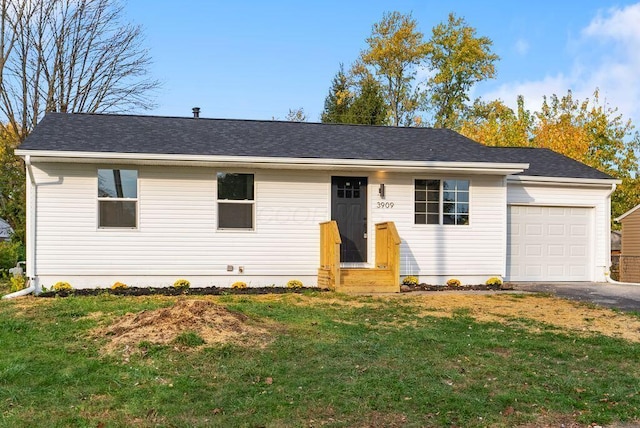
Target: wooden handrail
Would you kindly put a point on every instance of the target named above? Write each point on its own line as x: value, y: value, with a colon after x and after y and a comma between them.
x: 388, y: 248
x: 330, y: 251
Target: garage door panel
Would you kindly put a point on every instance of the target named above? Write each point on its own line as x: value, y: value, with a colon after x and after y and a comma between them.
x: 578, y: 230
x: 578, y: 251
x: 556, y: 230
x: 556, y: 250
x: 533, y: 229
x: 549, y: 243
x: 533, y: 270
x: 556, y: 212
x: 555, y: 270
x: 533, y: 251
x: 533, y: 211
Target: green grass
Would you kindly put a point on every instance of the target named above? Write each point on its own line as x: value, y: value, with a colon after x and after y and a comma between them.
x: 328, y: 365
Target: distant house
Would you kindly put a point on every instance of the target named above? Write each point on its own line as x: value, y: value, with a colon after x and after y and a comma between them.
x: 5, y: 231
x: 616, y: 248
x: 630, y: 249
x: 616, y: 242
x: 146, y: 200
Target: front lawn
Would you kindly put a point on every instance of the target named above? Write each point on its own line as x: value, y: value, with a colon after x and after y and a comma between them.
x: 316, y: 359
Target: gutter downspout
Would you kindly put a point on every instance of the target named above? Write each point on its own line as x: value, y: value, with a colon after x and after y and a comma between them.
x: 31, y: 235
x: 613, y: 281
x: 607, y: 265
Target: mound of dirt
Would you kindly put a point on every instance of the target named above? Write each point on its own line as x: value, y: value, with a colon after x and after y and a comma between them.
x: 213, y: 323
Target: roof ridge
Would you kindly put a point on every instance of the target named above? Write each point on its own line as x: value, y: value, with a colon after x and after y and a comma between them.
x: 364, y: 125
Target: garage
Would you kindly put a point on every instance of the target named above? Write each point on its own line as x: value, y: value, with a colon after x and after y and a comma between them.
x: 549, y: 243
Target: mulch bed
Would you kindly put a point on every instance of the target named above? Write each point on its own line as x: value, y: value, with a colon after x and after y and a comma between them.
x: 172, y: 291
x: 220, y: 291
x: 476, y: 287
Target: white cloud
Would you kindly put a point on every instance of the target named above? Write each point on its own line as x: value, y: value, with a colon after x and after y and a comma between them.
x: 533, y: 91
x: 620, y: 24
x: 607, y: 57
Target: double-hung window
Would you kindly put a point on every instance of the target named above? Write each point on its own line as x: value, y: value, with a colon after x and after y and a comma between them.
x: 441, y: 202
x: 117, y: 198
x: 235, y: 201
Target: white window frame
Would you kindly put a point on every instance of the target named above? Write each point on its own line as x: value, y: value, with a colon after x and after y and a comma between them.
x: 251, y: 202
x: 112, y: 199
x: 441, y: 201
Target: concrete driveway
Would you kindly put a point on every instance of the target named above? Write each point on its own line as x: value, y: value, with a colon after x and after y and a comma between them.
x: 623, y: 297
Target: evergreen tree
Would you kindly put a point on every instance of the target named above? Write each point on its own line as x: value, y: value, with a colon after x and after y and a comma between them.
x: 338, y: 102
x: 369, y: 106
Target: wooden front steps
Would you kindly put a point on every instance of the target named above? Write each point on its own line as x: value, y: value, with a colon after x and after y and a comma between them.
x: 363, y: 280
x: 384, y: 278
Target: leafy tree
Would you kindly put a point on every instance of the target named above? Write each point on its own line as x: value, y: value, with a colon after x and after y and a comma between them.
x: 596, y: 135
x: 64, y: 56
x: 12, y: 184
x: 296, y: 115
x: 395, y: 50
x: 460, y: 59
x: 69, y: 56
x: 494, y: 124
x: 587, y: 131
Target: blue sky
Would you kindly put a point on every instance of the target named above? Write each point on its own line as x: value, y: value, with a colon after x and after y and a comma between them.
x: 255, y: 60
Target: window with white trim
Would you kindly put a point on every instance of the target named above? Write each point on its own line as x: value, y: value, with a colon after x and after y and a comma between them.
x: 441, y: 202
x: 117, y: 198
x: 235, y: 201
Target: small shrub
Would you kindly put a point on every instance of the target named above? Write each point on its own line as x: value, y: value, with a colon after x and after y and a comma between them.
x: 62, y: 286
x: 181, y: 284
x: 494, y: 280
x: 17, y: 283
x: 453, y: 282
x: 119, y: 286
x: 189, y: 338
x: 294, y: 283
x: 410, y: 280
x: 239, y: 285
x: 9, y: 254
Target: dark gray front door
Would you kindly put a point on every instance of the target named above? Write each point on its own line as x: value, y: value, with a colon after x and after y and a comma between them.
x: 349, y: 210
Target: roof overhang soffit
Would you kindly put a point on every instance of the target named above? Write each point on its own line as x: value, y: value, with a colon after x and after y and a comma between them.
x: 570, y: 181
x: 489, y: 168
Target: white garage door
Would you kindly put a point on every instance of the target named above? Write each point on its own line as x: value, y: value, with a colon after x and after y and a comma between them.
x: 549, y: 243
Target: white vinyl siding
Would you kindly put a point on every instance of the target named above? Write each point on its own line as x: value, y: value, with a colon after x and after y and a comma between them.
x: 177, y: 233
x: 178, y: 237
x: 437, y: 252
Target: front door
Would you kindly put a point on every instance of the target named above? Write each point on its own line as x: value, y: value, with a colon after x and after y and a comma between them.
x: 349, y: 210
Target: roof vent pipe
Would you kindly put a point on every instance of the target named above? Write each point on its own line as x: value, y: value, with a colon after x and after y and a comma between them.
x: 196, y: 112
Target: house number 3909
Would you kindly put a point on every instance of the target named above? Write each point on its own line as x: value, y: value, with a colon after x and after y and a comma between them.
x: 385, y: 204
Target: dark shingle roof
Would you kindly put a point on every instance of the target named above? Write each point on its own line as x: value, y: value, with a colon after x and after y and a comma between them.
x: 105, y: 133
x: 547, y: 163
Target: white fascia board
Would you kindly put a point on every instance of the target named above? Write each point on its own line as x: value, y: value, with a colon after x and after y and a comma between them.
x: 631, y: 211
x: 530, y: 179
x: 273, y: 162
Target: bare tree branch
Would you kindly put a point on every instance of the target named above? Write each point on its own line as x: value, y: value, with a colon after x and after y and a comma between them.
x: 69, y: 56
